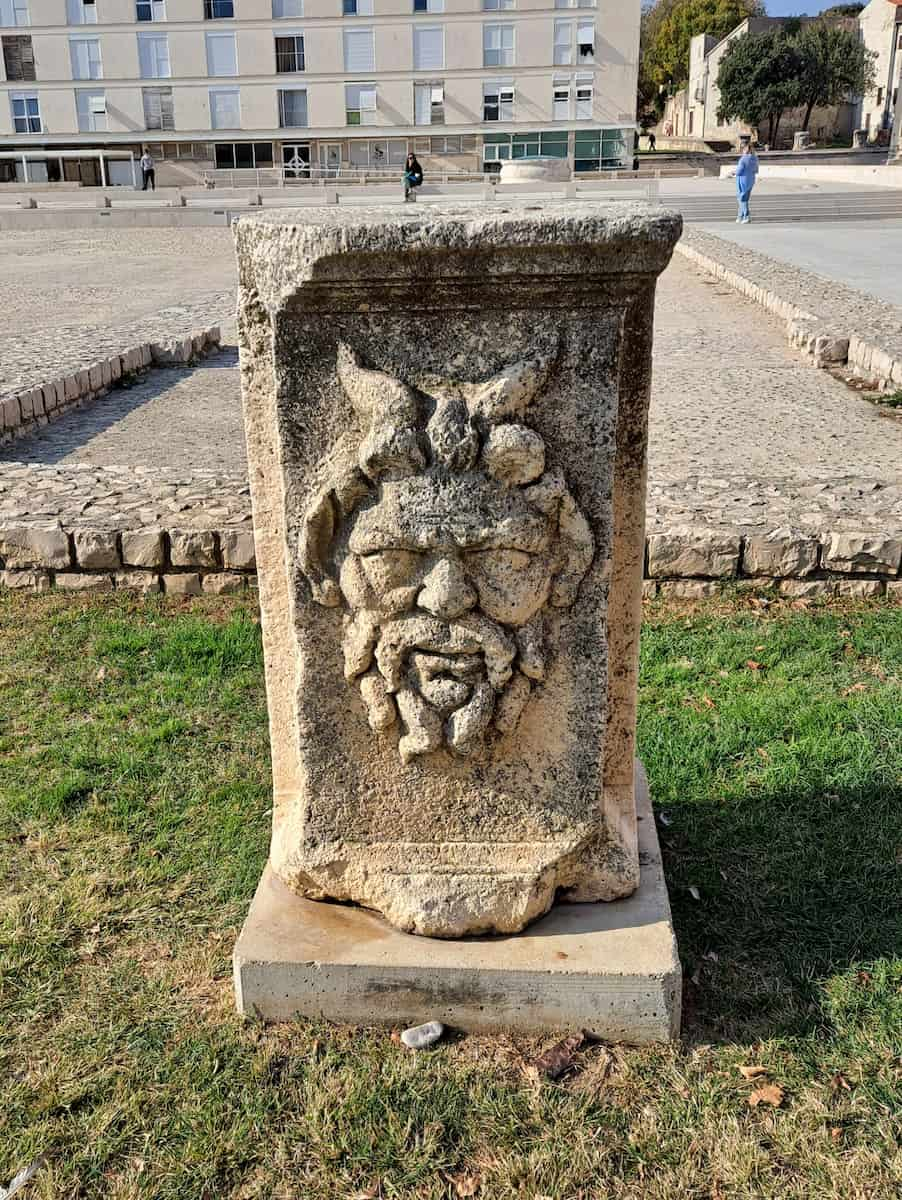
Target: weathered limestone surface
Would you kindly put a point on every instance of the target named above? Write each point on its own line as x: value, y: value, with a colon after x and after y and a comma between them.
x: 446, y: 424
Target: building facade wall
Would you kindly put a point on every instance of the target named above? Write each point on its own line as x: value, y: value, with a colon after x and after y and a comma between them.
x: 532, y: 76
x: 880, y: 27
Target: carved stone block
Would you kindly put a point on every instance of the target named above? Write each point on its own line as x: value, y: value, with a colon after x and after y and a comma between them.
x: 446, y: 421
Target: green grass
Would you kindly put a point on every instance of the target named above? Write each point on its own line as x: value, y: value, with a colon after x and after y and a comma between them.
x: 134, y: 813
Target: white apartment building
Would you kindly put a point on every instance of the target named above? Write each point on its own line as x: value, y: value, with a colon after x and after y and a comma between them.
x: 331, y: 84
x: 880, y: 25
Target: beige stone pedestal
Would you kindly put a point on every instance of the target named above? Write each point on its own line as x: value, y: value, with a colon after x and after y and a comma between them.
x: 610, y: 968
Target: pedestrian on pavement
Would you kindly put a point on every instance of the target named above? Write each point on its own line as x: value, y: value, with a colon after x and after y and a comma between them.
x: 413, y: 175
x: 746, y: 175
x: 147, y: 171
x: 652, y: 141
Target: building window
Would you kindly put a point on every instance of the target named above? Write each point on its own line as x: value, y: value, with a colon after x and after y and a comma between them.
x: 243, y: 155
x: 292, y: 108
x: 91, y: 110
x: 218, y: 10
x: 289, y: 54
x: 420, y: 6
x: 497, y: 5
x: 225, y: 108
x: 574, y: 3
x: 14, y: 12
x: 282, y: 9
x: 222, y: 57
x: 158, y: 111
x: 498, y: 101
x: 360, y: 53
x: 563, y: 43
x: 597, y: 149
x: 81, y: 12
x: 389, y: 153
x: 357, y: 8
x: 585, y: 41
x: 572, y: 98
x: 498, y: 45
x: 360, y: 104
x: 153, y: 55
x: 18, y: 59
x: 26, y: 112
x: 429, y: 103
x: 150, y: 10
x: 428, y: 47
x: 85, y: 56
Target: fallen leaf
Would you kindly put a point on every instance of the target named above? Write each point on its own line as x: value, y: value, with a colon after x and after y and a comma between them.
x: 864, y: 978
x: 836, y: 1133
x: 761, y: 647
x: 559, y: 1058
x: 708, y: 702
x: 856, y: 687
x: 467, y: 1185
x: 762, y: 753
x: 752, y: 665
x: 694, y: 892
x: 771, y: 1094
x: 561, y: 954
x: 101, y: 674
x: 839, y: 1083
x: 396, y: 1036
x: 752, y: 1072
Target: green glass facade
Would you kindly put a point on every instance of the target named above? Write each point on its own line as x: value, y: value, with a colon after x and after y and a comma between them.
x: 593, y: 149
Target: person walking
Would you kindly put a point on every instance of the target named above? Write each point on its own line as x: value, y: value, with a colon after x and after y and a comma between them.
x: 148, y: 172
x: 746, y: 175
x: 652, y: 141
x: 413, y: 175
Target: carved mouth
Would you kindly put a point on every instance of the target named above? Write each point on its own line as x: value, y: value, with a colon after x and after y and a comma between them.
x: 446, y: 681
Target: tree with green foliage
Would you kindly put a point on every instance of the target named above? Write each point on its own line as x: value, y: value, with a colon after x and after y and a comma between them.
x: 759, y: 79
x: 670, y: 25
x: 835, y: 66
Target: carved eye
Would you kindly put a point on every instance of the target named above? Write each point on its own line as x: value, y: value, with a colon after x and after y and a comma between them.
x: 390, y: 569
x: 498, y: 563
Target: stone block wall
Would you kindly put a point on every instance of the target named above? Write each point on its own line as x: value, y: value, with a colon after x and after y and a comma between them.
x: 181, y: 562
x: 26, y: 410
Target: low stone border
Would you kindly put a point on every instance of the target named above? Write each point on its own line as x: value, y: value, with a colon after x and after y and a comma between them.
x: 682, y: 561
x: 848, y: 328
x: 24, y: 411
x: 183, y: 562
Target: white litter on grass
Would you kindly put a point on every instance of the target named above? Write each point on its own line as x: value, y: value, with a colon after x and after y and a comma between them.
x: 421, y: 1036
x: 24, y: 1176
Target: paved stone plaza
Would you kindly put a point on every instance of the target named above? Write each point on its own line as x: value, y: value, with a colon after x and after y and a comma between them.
x: 744, y: 432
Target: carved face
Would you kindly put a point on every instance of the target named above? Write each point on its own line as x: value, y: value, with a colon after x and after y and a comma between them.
x: 457, y: 541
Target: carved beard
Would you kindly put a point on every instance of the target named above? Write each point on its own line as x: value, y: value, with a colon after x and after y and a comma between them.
x: 448, y: 681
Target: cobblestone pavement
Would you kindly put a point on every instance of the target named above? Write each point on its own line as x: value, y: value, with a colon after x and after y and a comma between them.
x: 80, y: 295
x: 745, y: 433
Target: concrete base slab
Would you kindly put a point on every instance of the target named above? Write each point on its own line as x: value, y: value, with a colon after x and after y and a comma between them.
x: 611, y: 969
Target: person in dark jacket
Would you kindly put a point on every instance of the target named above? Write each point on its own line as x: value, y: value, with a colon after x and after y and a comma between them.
x: 413, y: 175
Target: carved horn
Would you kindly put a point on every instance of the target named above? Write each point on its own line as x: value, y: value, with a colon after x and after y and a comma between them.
x: 511, y: 391
x: 391, y: 448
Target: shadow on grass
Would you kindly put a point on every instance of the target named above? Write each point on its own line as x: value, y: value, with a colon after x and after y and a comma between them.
x: 783, y: 905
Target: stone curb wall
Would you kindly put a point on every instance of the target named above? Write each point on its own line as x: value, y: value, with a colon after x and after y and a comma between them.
x: 829, y: 342
x: 681, y: 562
x: 22, y: 412
x: 182, y: 562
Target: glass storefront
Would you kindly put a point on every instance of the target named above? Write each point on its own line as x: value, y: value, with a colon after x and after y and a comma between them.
x: 593, y: 149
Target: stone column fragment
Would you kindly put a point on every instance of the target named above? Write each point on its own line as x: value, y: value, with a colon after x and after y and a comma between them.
x: 446, y: 416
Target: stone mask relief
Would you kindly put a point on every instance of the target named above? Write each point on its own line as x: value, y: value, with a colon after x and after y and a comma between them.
x: 449, y: 542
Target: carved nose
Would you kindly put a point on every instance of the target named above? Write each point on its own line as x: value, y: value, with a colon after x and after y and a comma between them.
x: 446, y: 592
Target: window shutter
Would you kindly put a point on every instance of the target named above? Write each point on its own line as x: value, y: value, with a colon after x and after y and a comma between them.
x: 221, y: 55
x: 359, y: 50
x: 422, y: 104
x: 428, y: 48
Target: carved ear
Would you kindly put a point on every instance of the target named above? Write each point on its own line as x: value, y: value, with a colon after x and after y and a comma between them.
x: 578, y: 550
x: 510, y: 392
